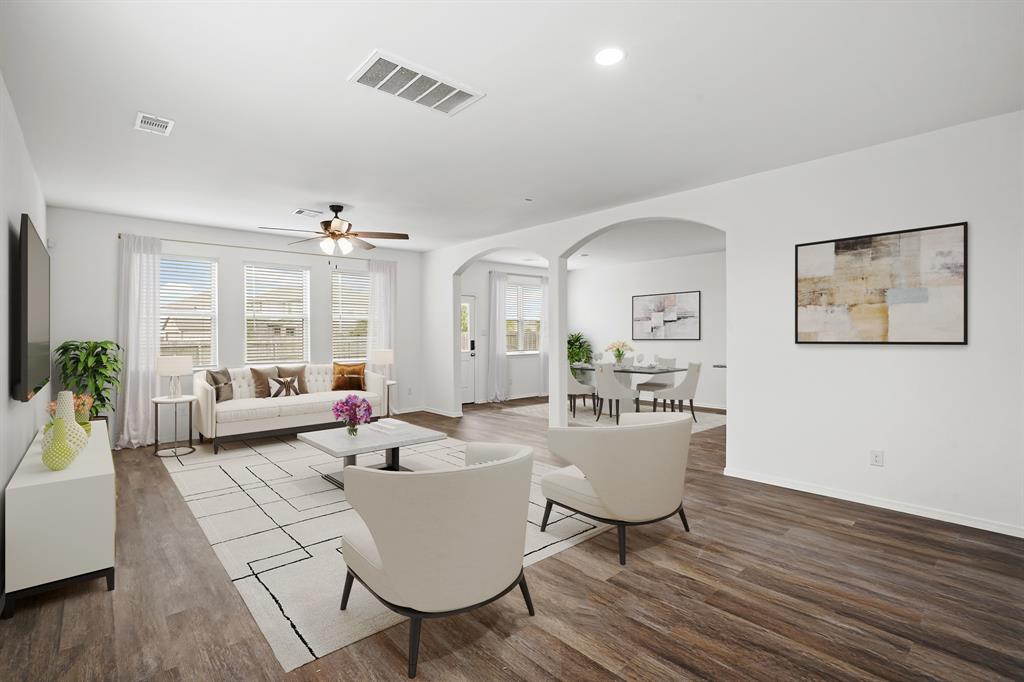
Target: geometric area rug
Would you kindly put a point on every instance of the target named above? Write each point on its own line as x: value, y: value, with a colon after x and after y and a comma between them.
x: 276, y: 526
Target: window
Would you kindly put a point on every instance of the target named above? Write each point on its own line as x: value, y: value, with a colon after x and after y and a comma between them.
x: 464, y: 328
x: 522, y: 317
x: 276, y: 314
x: 350, y: 313
x: 188, y: 309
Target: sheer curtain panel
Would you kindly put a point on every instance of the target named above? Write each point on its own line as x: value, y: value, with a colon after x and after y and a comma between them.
x: 383, y: 295
x: 497, y: 361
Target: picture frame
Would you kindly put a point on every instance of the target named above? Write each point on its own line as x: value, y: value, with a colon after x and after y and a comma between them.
x: 672, y: 316
x: 900, y: 287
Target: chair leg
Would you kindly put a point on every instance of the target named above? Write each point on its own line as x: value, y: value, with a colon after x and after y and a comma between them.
x: 622, y: 544
x: 414, y: 643
x: 348, y: 590
x: 618, y: 411
x: 526, y: 594
x: 593, y: 401
x: 547, y: 513
x: 692, y: 413
x: 600, y: 409
x: 636, y: 404
x: 673, y: 405
x: 682, y: 515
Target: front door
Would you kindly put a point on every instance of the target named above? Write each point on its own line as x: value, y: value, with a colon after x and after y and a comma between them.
x: 467, y: 347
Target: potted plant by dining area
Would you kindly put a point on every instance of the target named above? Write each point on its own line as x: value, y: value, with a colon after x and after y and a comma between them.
x: 91, y: 368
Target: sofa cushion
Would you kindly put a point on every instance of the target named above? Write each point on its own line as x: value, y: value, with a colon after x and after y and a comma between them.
x: 220, y: 379
x: 349, y: 377
x: 245, y: 409
x: 299, y: 372
x: 312, y: 403
x: 261, y: 381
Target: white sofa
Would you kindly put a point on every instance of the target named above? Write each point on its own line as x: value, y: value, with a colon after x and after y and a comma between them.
x: 245, y: 415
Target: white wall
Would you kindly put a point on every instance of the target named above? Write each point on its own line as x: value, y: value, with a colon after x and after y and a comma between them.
x: 524, y: 378
x: 600, y: 305
x: 20, y: 192
x: 948, y: 417
x: 85, y: 263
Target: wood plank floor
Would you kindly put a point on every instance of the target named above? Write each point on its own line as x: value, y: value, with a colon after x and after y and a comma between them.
x: 771, y: 584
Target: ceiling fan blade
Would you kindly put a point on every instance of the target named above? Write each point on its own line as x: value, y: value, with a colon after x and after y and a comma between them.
x: 289, y: 229
x: 366, y: 246
x: 380, y: 235
x: 304, y: 240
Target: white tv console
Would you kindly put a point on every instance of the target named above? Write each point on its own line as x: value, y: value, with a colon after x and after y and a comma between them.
x: 59, y: 524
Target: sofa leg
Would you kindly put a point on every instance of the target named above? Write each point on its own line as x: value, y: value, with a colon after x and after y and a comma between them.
x: 201, y: 438
x: 216, y: 446
x: 547, y: 513
x: 414, y: 643
x: 348, y: 590
x: 622, y: 544
x: 526, y: 594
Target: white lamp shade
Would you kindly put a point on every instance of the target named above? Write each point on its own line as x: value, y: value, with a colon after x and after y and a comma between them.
x: 174, y: 365
x: 327, y: 246
x: 345, y: 246
x: 381, y: 356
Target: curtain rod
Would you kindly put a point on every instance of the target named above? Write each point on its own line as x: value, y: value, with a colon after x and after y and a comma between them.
x: 254, y: 248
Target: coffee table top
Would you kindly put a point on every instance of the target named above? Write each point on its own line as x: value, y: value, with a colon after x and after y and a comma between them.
x: 378, y: 435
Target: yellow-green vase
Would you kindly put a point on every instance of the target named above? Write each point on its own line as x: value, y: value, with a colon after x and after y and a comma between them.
x: 59, y: 452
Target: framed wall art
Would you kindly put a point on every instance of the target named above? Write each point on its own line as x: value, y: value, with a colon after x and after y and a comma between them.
x: 674, y: 316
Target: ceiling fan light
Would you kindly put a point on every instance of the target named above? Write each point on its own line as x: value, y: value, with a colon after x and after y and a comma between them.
x: 327, y: 246
x: 345, y: 246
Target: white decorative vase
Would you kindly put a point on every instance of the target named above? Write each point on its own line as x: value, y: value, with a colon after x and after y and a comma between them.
x: 76, y: 436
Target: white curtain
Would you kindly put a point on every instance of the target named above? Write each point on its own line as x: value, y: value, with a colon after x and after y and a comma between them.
x: 138, y: 333
x: 383, y: 294
x: 543, y: 345
x: 497, y: 362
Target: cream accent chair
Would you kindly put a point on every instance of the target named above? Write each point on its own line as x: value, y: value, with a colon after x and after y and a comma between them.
x: 611, y: 389
x: 575, y: 389
x: 660, y: 381
x: 627, y: 476
x: 684, y: 390
x: 438, y: 543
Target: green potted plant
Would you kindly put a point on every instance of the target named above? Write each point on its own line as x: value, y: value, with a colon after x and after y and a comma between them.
x: 579, y: 348
x: 92, y: 368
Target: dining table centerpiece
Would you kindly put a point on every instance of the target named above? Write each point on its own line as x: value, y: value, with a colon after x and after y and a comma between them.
x: 354, y: 411
x: 619, y: 350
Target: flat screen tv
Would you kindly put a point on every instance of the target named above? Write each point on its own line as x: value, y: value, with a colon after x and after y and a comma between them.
x: 30, y: 313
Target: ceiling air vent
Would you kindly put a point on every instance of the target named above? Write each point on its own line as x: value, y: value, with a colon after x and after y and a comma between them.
x: 149, y: 123
x: 307, y: 212
x: 395, y: 76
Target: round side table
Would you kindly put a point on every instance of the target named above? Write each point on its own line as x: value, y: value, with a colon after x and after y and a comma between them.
x: 174, y: 450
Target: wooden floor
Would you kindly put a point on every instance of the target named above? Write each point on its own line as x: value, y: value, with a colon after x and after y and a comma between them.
x: 771, y: 584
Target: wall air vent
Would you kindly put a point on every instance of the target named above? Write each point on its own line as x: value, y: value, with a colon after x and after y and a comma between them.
x: 307, y: 212
x: 395, y: 76
x: 148, y: 123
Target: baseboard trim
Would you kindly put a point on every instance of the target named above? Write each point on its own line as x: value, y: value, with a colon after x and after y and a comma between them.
x: 407, y: 410
x: 443, y: 413
x: 881, y: 502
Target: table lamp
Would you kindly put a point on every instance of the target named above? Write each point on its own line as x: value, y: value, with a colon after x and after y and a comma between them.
x: 175, y: 367
x: 381, y: 356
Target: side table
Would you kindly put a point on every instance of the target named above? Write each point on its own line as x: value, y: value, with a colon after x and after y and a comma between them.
x: 174, y: 401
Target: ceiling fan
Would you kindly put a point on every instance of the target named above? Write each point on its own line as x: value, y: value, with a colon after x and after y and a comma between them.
x: 337, y: 234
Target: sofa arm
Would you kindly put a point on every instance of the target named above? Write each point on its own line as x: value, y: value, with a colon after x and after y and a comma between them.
x: 378, y: 383
x: 206, y: 405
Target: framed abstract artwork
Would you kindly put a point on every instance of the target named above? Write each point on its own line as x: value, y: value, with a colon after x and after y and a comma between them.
x: 903, y: 287
x: 674, y: 316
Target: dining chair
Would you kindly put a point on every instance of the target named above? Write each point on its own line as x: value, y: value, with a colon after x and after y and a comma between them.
x: 626, y: 476
x: 684, y: 390
x: 437, y: 543
x: 610, y: 388
x: 575, y: 389
x: 660, y: 382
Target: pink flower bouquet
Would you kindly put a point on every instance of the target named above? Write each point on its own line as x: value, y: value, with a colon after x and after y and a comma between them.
x: 354, y: 411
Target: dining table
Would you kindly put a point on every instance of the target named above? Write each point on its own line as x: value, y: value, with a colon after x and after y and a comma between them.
x: 632, y: 369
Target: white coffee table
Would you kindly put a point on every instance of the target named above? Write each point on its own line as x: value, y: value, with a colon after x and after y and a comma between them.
x: 385, y: 434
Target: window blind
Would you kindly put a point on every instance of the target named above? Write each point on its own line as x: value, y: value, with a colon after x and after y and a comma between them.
x: 276, y: 314
x: 522, y: 317
x: 350, y: 314
x: 188, y: 309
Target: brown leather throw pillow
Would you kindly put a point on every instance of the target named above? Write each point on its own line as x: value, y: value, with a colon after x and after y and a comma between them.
x: 220, y: 379
x: 261, y: 380
x: 299, y: 373
x: 349, y: 377
x: 285, y: 386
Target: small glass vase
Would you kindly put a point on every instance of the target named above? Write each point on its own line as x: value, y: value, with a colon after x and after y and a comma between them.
x: 619, y: 356
x: 353, y: 429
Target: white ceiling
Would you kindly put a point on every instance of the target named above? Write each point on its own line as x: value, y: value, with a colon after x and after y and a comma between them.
x: 266, y: 121
x: 632, y: 242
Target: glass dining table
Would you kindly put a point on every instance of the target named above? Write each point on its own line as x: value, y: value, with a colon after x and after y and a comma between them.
x: 632, y: 369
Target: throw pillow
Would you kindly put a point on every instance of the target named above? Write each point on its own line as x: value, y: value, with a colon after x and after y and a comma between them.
x: 300, y: 375
x: 261, y: 381
x: 285, y: 386
x: 220, y: 379
x: 349, y: 377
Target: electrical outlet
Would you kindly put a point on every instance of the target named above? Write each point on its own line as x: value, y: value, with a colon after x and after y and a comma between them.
x: 878, y: 458
x: 408, y: 391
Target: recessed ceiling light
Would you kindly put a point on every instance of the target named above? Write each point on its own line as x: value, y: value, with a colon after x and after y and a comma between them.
x: 527, y: 199
x: 609, y: 56
x: 584, y: 255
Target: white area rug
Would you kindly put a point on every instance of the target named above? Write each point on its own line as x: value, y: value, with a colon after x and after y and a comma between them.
x: 276, y: 525
x: 585, y: 415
